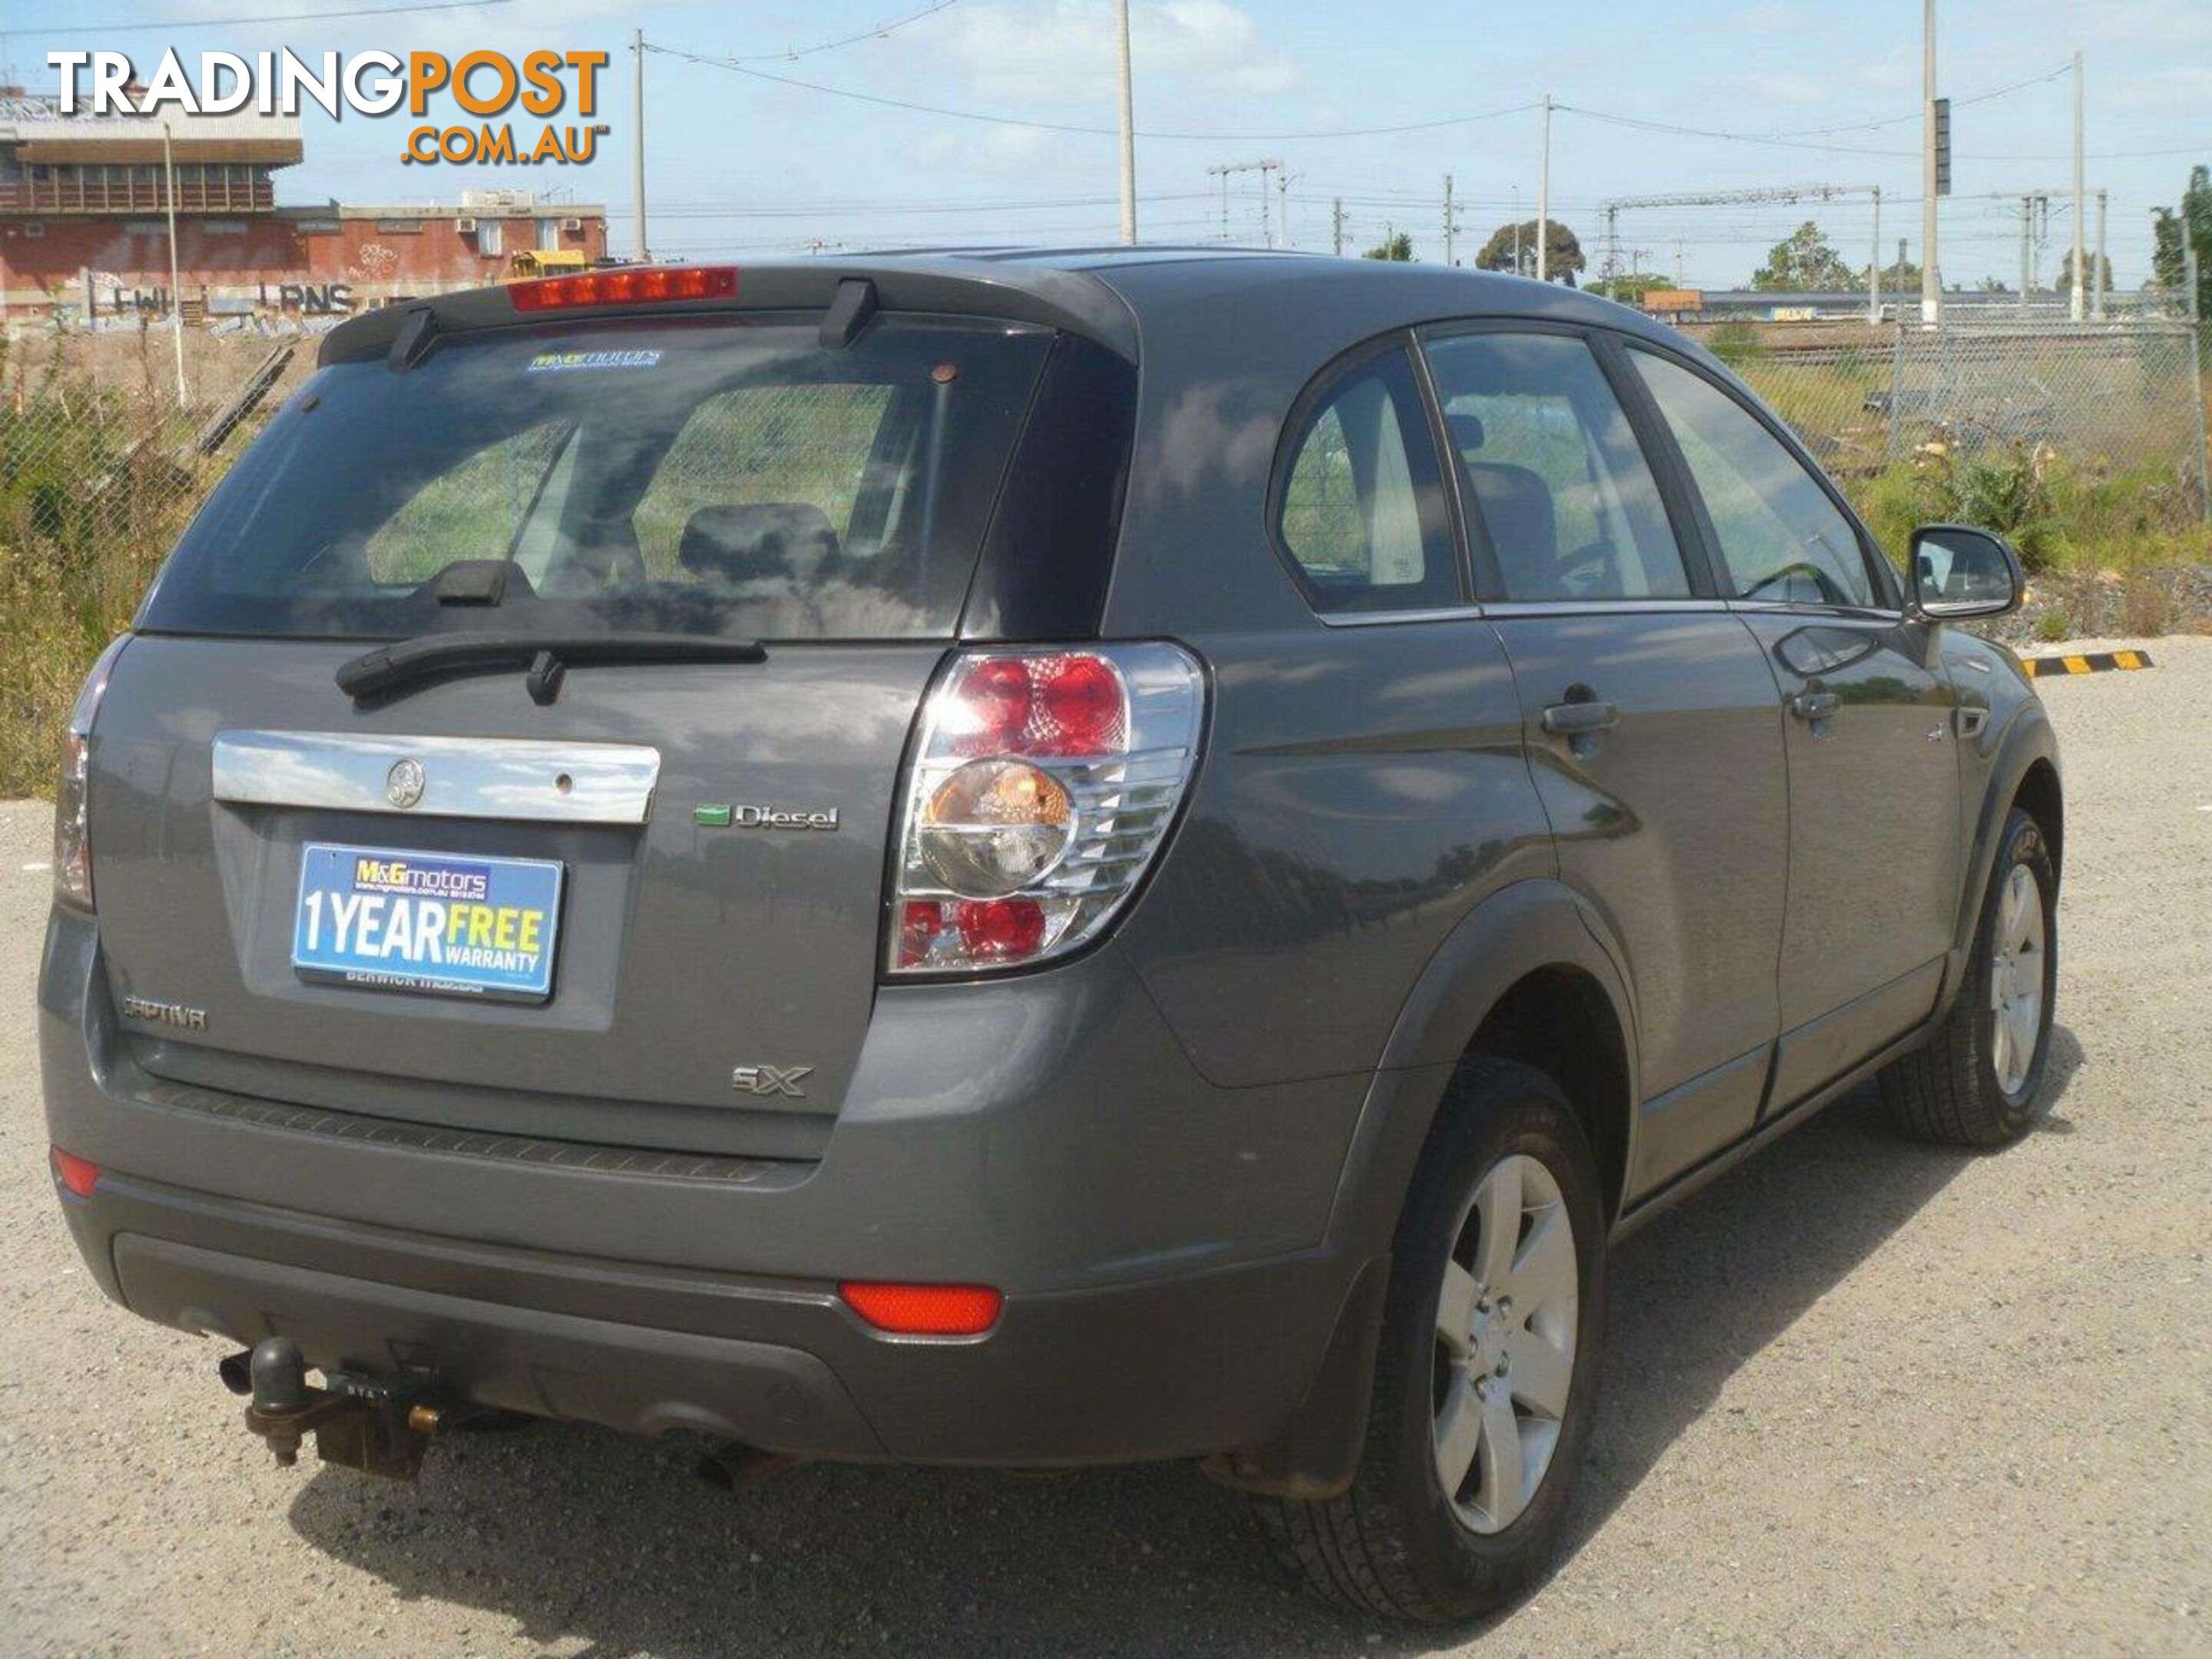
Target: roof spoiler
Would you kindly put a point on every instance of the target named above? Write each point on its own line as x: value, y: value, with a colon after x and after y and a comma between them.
x: 1072, y: 301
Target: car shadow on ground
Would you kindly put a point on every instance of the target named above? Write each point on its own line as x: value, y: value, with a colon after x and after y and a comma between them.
x: 610, y: 1547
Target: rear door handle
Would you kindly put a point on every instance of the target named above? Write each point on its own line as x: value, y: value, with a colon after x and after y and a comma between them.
x: 1576, y: 719
x: 1814, y: 705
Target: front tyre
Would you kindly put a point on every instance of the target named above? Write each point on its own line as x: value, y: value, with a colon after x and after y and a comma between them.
x: 1486, y: 1380
x: 1975, y: 1081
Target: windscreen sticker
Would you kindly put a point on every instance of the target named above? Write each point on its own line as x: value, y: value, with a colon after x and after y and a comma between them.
x: 561, y: 363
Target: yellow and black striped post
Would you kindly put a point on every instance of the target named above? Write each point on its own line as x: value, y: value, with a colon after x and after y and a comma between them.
x: 2084, y: 662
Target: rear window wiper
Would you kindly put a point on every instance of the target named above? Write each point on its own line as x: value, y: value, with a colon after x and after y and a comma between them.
x: 547, y: 656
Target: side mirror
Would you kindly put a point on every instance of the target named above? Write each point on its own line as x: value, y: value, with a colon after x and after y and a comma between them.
x: 1959, y: 571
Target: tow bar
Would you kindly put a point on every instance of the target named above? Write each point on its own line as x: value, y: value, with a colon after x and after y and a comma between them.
x: 380, y: 1426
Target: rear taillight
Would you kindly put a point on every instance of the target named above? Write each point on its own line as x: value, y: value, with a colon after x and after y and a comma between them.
x: 72, y: 817
x: 1043, y: 783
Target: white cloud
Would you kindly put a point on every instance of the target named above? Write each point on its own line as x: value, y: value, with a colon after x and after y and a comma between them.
x: 1062, y: 52
x: 1768, y: 20
x: 1023, y: 153
x: 1785, y: 88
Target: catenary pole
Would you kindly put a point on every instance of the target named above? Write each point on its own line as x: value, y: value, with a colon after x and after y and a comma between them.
x: 1447, y: 222
x: 1544, y: 195
x: 2078, y: 308
x: 1128, y: 124
x: 1336, y: 227
x: 637, y: 138
x: 1873, y: 272
x: 2097, y: 271
x: 1931, y: 285
x: 176, y: 282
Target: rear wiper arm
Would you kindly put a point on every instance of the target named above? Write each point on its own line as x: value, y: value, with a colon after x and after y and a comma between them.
x: 547, y: 656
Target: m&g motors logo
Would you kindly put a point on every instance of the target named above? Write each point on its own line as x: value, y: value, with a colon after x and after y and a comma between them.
x: 484, y: 84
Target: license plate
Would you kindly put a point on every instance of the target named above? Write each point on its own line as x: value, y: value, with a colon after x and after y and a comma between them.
x: 434, y: 922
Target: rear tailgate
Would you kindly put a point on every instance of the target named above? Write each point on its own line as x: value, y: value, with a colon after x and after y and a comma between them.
x: 637, y: 903
x: 684, y: 948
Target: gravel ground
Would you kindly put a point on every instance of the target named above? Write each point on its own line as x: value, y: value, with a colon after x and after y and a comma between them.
x: 1861, y: 1397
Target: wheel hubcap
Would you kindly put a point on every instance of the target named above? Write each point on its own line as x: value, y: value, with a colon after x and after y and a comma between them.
x: 2016, y: 973
x: 1506, y: 1321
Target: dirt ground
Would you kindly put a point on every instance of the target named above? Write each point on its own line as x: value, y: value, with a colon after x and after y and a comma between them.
x: 1861, y: 1397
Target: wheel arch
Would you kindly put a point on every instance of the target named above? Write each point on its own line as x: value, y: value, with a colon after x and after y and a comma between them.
x: 2025, y: 774
x: 1529, y: 975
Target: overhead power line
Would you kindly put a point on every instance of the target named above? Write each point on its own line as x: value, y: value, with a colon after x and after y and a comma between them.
x: 178, y: 23
x: 737, y: 67
x: 879, y: 32
x: 1808, y: 138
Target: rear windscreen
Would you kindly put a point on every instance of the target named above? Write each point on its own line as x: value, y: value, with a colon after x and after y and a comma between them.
x: 728, y: 477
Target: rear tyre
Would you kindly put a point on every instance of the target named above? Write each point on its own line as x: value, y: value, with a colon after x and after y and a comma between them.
x: 1975, y: 1082
x: 1486, y: 1377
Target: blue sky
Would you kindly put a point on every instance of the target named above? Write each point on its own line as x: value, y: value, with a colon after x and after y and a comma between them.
x: 739, y: 165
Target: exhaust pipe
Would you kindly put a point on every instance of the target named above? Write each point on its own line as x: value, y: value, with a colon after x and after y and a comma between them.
x: 733, y: 1466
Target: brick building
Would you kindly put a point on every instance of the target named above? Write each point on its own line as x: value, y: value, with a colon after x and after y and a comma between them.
x: 83, y: 213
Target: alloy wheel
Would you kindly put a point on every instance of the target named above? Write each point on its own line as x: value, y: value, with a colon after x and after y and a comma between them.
x: 2016, y: 975
x: 1506, y: 1331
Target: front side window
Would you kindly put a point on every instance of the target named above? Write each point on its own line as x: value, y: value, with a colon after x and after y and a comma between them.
x: 1553, y: 468
x: 1780, y: 536
x: 1362, y: 512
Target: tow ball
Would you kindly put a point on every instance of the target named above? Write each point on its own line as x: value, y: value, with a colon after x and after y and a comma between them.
x: 378, y: 1424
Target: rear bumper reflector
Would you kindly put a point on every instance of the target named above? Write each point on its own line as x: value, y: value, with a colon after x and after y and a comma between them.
x: 78, y: 1174
x: 925, y: 1309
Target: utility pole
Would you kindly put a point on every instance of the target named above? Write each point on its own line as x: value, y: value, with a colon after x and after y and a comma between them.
x: 176, y: 283
x: 1612, y: 241
x: 2078, y: 308
x: 2096, y: 302
x: 1336, y: 227
x: 1931, y: 288
x: 1448, y: 260
x: 1283, y: 203
x: 1128, y: 124
x: 1544, y: 195
x: 2026, y: 273
x: 637, y: 137
x: 1873, y: 272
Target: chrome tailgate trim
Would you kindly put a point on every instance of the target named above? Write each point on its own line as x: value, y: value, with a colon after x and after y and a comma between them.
x: 516, y: 778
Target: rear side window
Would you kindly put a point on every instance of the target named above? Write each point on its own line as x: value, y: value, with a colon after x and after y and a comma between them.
x: 1362, y: 513
x: 1554, y: 469
x: 1781, y: 536
x: 725, y: 475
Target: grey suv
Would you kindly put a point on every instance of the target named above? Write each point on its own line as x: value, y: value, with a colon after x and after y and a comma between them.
x: 1019, y: 859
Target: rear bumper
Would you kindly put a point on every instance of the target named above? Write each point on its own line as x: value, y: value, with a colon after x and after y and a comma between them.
x: 1154, y: 1310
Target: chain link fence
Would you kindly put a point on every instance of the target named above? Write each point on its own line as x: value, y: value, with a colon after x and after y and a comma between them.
x: 2074, y: 438
x: 100, y: 465
x: 2085, y: 443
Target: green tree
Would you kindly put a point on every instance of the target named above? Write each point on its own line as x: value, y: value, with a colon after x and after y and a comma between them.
x: 1631, y: 286
x: 1802, y: 262
x: 2064, y: 284
x: 2173, y: 233
x: 1396, y: 247
x: 1563, y: 257
x: 1899, y: 276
